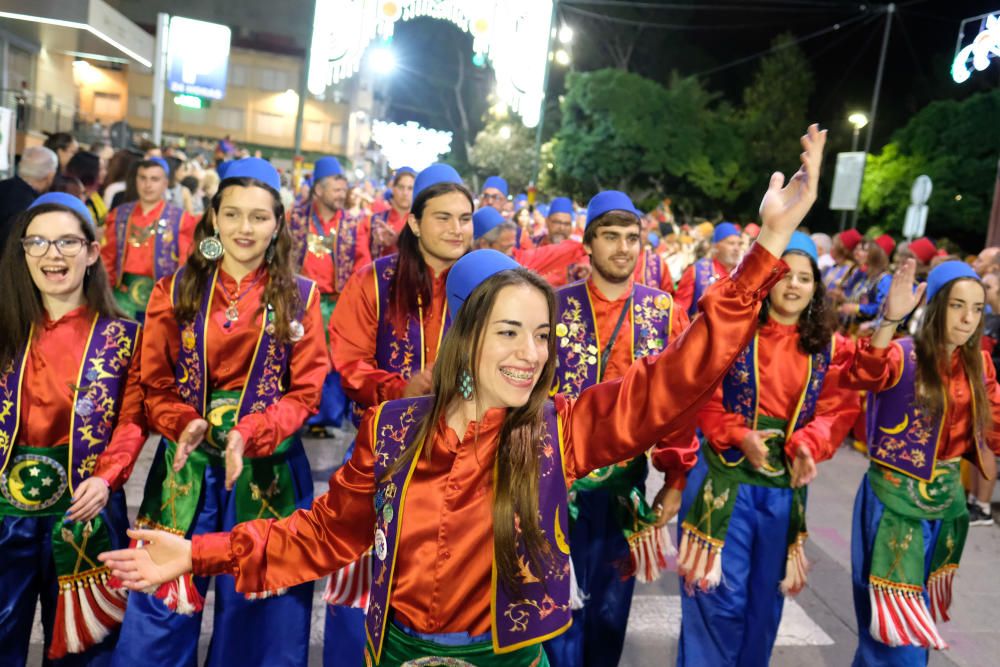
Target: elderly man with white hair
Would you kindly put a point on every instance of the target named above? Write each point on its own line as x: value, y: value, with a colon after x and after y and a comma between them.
x: 823, y: 245
x: 35, y: 172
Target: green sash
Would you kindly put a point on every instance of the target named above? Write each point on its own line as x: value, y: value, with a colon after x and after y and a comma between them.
x: 403, y: 650
x: 327, y: 304
x: 897, y: 575
x: 704, y: 528
x: 133, y: 294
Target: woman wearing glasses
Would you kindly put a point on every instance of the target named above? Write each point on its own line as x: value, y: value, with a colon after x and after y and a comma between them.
x: 71, y: 426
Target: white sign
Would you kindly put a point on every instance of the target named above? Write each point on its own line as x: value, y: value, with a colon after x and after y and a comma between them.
x: 6, y: 134
x: 916, y: 221
x: 847, y: 181
x: 197, y: 58
x: 921, y: 190
x: 513, y: 35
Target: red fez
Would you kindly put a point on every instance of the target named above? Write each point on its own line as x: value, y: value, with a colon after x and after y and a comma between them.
x: 752, y: 230
x: 850, y: 238
x: 923, y: 249
x: 886, y: 243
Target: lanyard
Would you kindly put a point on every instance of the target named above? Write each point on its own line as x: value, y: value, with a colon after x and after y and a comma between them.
x: 606, y: 354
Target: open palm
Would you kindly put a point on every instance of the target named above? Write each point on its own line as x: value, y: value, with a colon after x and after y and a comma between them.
x: 162, y: 557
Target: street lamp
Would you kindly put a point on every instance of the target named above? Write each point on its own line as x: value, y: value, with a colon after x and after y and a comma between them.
x: 562, y: 57
x: 858, y: 120
x: 565, y: 34
x: 382, y: 60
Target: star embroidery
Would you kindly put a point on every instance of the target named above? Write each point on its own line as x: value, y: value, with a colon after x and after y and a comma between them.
x: 47, y: 481
x: 34, y: 472
x: 33, y: 491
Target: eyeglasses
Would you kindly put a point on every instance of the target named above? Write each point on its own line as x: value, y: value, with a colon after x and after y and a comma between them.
x: 489, y: 196
x: 67, y: 246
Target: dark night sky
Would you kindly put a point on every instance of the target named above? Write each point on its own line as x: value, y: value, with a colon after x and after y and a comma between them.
x: 716, y: 32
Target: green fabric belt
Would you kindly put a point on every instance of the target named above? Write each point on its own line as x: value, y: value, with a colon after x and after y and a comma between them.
x: 402, y: 649
x: 35, y: 482
x: 133, y: 294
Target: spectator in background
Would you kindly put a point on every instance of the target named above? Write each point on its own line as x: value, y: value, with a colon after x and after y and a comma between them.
x: 193, y: 187
x: 35, y: 172
x: 70, y: 185
x: 118, y: 168
x: 209, y: 186
x: 64, y: 145
x: 824, y: 244
x: 986, y: 262
x: 86, y: 167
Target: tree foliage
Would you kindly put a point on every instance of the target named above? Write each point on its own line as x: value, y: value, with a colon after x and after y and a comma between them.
x: 496, y: 152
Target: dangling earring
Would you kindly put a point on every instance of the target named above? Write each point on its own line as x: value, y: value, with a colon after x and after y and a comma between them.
x: 211, y: 247
x: 809, y: 311
x: 465, y: 384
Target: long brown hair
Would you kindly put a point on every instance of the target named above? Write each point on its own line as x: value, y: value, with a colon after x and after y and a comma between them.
x: 515, y: 489
x: 929, y: 344
x: 22, y: 303
x: 412, y: 283
x: 281, y: 292
x: 816, y: 323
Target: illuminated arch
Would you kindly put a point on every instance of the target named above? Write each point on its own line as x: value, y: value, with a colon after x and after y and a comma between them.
x: 512, y: 34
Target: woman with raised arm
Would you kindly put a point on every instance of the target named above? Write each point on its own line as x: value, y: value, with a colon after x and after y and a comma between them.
x: 933, y: 400
x: 463, y: 494
x: 71, y: 427
x: 237, y: 359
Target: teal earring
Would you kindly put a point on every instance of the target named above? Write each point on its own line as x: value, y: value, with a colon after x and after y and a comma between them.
x: 465, y: 384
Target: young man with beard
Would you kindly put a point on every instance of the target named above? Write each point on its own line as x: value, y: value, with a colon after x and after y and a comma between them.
x: 603, y: 324
x: 145, y: 240
x: 728, y: 250
x: 377, y: 235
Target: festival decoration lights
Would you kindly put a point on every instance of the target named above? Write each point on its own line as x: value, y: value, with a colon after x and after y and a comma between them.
x: 410, y: 144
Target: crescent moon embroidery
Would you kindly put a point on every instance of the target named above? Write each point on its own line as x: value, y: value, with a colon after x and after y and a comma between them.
x: 184, y: 376
x: 922, y: 485
x: 16, y: 485
x: 560, y: 536
x: 899, y: 428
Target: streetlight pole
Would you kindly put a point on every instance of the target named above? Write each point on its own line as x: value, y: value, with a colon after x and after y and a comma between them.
x: 890, y: 11
x: 858, y: 120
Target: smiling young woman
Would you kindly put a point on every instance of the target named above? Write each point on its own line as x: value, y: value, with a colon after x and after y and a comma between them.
x: 237, y: 358
x: 463, y: 495
x: 71, y: 427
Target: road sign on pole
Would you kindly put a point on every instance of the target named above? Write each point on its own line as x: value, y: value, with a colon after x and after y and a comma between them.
x: 916, y: 212
x: 847, y: 181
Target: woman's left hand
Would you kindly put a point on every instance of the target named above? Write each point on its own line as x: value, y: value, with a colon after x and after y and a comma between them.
x: 234, y: 458
x: 666, y: 504
x: 803, y: 467
x: 89, y: 499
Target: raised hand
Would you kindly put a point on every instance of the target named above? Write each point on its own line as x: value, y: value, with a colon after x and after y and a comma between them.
x: 902, y: 298
x: 785, y: 206
x: 89, y: 499
x: 190, y: 438
x: 162, y: 557
x: 803, y: 468
x: 234, y: 457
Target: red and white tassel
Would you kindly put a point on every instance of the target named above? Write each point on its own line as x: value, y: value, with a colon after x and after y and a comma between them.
x: 699, y: 561
x: 351, y: 586
x: 577, y: 597
x: 181, y: 596
x: 901, y: 618
x: 87, y: 610
x: 651, y: 552
x: 939, y: 586
x: 264, y: 595
x: 796, y: 568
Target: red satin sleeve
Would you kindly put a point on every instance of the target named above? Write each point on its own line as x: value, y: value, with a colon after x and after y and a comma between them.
x: 307, y: 368
x: 116, y: 462
x: 352, y: 344
x: 722, y: 430
x: 660, y: 395
x: 837, y: 409
x: 267, y: 554
x: 874, y: 369
x: 685, y: 289
x: 993, y: 394
x: 551, y: 259
x: 362, y: 242
x: 109, y: 247
x: 168, y: 415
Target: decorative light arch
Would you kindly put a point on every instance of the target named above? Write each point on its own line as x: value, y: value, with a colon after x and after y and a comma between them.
x: 512, y: 34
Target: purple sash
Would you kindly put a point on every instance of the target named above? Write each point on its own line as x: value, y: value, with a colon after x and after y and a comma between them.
x: 579, y: 348
x: 704, y: 277
x: 741, y: 385
x: 652, y: 269
x: 345, y: 241
x: 99, y: 389
x: 166, y: 247
x: 543, y: 611
x: 263, y: 386
x: 375, y: 248
x: 900, y: 435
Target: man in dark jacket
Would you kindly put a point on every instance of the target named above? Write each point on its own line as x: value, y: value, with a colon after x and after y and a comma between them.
x: 35, y: 172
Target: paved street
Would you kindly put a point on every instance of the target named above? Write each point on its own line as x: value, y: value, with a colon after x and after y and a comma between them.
x: 818, y: 626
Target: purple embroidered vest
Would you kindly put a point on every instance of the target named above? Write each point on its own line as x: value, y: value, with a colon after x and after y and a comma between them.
x: 268, y: 367
x: 543, y: 610
x: 375, y: 248
x: 704, y: 277
x: 740, y: 391
x: 303, y: 220
x: 901, y: 435
x: 166, y: 239
x: 579, y: 348
x: 99, y: 389
x: 652, y: 269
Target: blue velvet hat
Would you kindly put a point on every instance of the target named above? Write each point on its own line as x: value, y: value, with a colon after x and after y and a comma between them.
x: 470, y: 272
x: 163, y: 163
x: 497, y: 183
x: 723, y: 231
x: 484, y: 220
x: 64, y: 199
x: 561, y: 205
x: 945, y: 272
x: 607, y: 201
x: 326, y: 166
x: 434, y: 174
x: 801, y: 243
x: 255, y: 167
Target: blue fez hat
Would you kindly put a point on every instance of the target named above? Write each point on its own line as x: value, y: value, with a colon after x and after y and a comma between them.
x: 256, y: 168
x: 607, y: 201
x: 543, y: 209
x: 724, y: 230
x: 404, y: 170
x: 944, y: 273
x: 497, y: 183
x: 561, y: 205
x: 64, y: 199
x: 470, y: 272
x: 801, y: 243
x: 326, y: 166
x: 520, y: 201
x: 163, y: 163
x: 484, y: 220
x: 434, y: 174
x: 222, y: 168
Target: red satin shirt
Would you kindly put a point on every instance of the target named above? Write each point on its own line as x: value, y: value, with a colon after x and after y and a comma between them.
x: 552, y: 261
x: 782, y: 378
x: 876, y: 369
x: 352, y: 339
x: 363, y: 256
x: 229, y: 353
x: 685, y: 288
x: 52, y: 368
x: 139, y: 260
x: 444, y: 563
